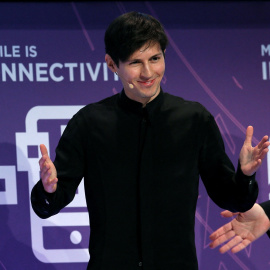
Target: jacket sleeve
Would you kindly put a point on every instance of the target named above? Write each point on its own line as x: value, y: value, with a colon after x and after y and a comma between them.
x: 266, y: 208
x: 230, y: 190
x: 69, y: 163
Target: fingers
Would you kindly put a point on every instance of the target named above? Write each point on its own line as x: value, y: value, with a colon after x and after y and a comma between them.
x: 221, y: 231
x: 249, y: 134
x: 48, y: 177
x: 44, y: 153
x: 263, y: 148
x: 48, y: 172
x: 264, y: 142
x: 236, y: 244
x: 45, y: 159
x: 241, y: 246
x: 51, y: 182
x: 254, y: 166
x: 222, y: 238
x: 258, y: 153
x: 51, y: 185
x: 45, y: 171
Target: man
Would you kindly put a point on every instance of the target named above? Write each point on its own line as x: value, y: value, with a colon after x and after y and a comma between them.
x: 244, y: 229
x: 141, y: 153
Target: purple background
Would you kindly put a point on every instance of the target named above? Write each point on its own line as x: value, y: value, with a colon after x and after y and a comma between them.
x: 214, y: 57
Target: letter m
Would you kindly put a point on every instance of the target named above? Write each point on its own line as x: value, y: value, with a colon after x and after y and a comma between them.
x: 265, y: 49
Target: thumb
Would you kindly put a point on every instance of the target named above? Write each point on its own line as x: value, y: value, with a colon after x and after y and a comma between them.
x: 43, y: 150
x: 249, y: 134
x: 227, y: 214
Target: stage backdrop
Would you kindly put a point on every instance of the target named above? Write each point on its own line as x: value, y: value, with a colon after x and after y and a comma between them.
x: 52, y: 64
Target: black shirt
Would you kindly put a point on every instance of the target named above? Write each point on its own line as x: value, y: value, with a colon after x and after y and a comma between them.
x: 141, y: 168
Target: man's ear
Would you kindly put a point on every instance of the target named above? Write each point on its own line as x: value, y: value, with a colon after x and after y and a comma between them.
x: 110, y: 63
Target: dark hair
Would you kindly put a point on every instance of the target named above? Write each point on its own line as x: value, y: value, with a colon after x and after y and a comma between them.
x: 129, y: 32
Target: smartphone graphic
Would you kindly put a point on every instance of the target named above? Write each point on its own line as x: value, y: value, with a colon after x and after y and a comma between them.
x: 64, y: 237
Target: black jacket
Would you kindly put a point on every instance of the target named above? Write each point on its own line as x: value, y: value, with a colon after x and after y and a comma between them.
x: 141, y: 168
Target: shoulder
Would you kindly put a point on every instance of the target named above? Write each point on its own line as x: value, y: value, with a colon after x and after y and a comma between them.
x: 93, y: 109
x: 184, y: 106
x: 92, y: 112
x: 103, y: 104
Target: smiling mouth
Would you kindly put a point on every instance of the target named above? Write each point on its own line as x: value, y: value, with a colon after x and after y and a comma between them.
x: 147, y: 83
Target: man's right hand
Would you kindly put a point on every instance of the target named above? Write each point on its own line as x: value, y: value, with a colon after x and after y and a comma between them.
x: 47, y: 171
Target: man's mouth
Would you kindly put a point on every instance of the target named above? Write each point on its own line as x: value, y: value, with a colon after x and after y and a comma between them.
x: 147, y: 83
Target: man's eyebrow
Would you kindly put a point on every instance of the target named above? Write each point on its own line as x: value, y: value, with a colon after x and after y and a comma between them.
x: 139, y: 59
x: 157, y: 54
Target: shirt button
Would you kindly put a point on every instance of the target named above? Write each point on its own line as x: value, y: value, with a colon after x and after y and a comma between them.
x: 140, y: 264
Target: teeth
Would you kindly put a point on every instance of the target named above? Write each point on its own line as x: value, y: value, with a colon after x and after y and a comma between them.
x: 147, y: 82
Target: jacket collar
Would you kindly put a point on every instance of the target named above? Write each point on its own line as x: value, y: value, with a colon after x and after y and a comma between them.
x: 136, y: 107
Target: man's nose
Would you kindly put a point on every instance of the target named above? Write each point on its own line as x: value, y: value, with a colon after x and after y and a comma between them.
x: 146, y: 71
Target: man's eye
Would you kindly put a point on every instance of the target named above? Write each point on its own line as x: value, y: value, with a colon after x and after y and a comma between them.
x: 156, y: 58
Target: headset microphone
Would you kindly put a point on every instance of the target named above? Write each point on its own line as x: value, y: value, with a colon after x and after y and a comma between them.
x: 130, y: 85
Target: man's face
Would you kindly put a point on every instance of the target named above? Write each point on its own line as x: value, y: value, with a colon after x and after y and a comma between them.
x: 144, y: 71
